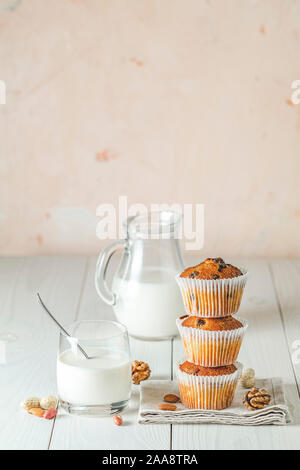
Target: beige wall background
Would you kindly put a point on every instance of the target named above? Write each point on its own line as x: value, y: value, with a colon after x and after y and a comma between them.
x: 164, y: 101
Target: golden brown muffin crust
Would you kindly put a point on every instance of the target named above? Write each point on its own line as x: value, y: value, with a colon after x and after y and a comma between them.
x: 193, y: 369
x: 212, y: 268
x: 183, y: 316
x: 212, y: 324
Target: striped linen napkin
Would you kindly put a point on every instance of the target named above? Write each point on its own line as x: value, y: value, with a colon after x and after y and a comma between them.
x: 153, y: 391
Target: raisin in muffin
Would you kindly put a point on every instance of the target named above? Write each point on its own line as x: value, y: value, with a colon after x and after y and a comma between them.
x: 212, y: 288
x: 209, y: 388
x: 211, y: 342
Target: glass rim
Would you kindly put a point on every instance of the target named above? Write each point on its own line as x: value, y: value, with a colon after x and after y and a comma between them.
x: 78, y: 338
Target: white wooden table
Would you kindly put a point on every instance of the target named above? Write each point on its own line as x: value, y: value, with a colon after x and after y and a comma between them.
x: 271, y: 303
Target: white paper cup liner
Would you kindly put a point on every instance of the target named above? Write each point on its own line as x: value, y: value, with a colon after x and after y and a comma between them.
x: 211, y: 348
x: 208, y: 392
x: 212, y: 298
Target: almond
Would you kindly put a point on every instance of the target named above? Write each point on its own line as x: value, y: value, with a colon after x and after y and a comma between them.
x: 37, y: 412
x: 118, y: 420
x: 167, y: 407
x: 171, y: 398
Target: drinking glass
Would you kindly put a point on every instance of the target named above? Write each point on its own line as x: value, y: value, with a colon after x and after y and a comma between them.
x: 100, y: 385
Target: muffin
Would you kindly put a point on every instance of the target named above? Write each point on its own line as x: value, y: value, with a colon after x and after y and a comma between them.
x: 211, y: 342
x: 212, y: 288
x: 207, y: 388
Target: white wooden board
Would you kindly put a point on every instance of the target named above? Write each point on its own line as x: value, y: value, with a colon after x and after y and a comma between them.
x: 271, y: 305
x: 31, y: 359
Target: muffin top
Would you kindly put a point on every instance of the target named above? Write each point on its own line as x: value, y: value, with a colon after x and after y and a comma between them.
x: 212, y: 268
x: 212, y: 324
x: 193, y: 369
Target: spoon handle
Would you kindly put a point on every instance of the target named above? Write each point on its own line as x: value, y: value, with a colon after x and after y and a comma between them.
x: 60, y: 326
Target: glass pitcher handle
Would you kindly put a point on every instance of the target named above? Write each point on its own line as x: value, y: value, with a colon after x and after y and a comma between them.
x: 101, y: 270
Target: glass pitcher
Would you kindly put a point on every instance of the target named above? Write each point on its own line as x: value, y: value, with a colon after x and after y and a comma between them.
x: 145, y: 296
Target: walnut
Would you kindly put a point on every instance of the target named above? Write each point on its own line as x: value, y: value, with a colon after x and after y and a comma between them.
x: 140, y: 371
x: 248, y: 378
x: 256, y: 399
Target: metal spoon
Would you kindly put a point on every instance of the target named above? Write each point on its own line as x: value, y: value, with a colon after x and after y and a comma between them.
x: 60, y: 327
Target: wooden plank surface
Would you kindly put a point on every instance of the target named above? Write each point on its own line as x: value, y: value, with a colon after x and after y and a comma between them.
x: 30, y: 368
x: 271, y: 303
x: 286, y: 277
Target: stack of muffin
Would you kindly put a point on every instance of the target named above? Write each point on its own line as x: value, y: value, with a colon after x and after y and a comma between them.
x: 212, y: 337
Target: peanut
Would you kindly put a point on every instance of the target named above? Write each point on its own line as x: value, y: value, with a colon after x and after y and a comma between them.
x: 248, y: 378
x: 118, y: 420
x: 37, y: 412
x: 171, y: 398
x: 167, y: 407
x: 48, y: 402
x: 32, y: 402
